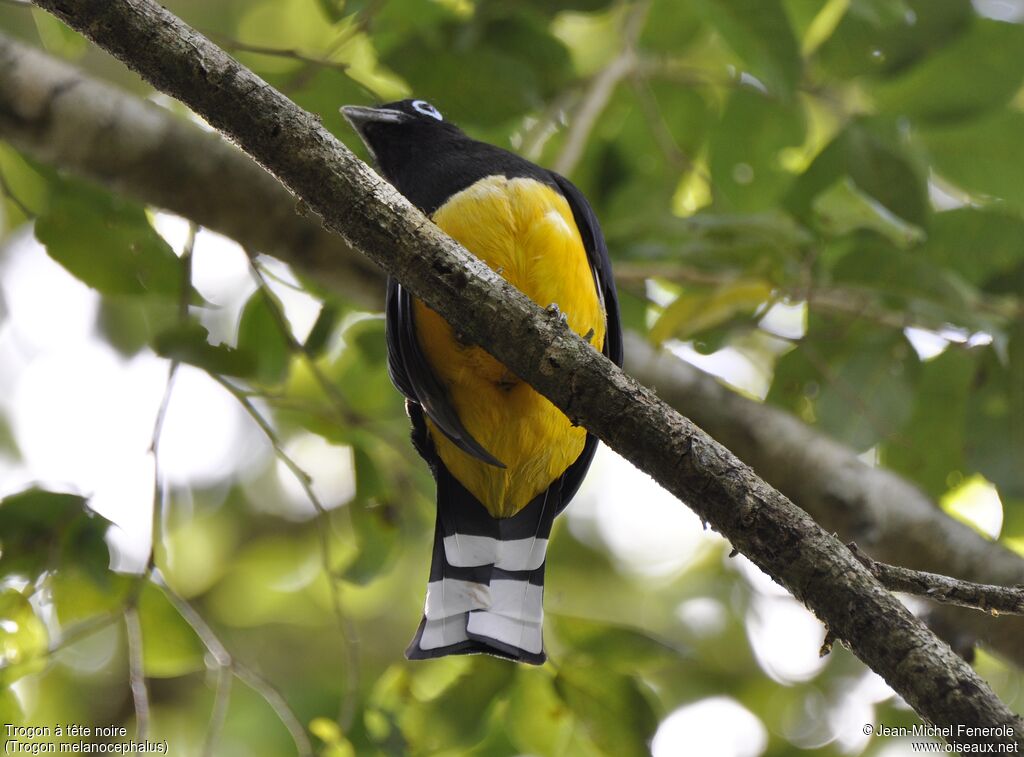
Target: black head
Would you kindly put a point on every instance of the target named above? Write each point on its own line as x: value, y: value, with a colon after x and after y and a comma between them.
x: 426, y: 157
x: 398, y: 127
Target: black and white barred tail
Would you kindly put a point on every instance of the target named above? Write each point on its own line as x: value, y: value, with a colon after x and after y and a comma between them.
x: 486, y: 587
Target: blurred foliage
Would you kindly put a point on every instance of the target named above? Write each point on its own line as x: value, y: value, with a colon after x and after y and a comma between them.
x: 856, y: 160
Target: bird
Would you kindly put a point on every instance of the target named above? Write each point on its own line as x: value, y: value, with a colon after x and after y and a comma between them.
x: 505, y: 460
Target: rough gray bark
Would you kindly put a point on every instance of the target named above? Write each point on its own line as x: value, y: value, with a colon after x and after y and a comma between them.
x: 779, y: 537
x: 62, y: 117
x: 888, y: 516
x: 992, y: 599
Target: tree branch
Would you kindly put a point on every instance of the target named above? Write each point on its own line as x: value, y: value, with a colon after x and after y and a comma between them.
x: 375, y: 219
x: 995, y: 600
x: 601, y: 89
x: 62, y: 117
x: 875, y: 507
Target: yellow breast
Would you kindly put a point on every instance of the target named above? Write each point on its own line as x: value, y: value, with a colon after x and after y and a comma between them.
x: 525, y: 231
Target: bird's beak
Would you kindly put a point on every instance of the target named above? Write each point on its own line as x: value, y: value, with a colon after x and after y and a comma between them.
x: 359, y: 116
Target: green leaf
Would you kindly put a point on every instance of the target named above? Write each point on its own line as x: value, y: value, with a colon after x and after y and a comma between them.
x: 170, y: 647
x: 883, y: 37
x: 501, y: 69
x: 537, y: 721
x: 457, y: 716
x: 982, y: 69
x: 611, y: 707
x: 41, y: 530
x: 844, y: 208
x: 979, y: 244
x: 628, y: 650
x: 77, y: 596
x: 746, y: 147
x: 374, y: 521
x: 58, y: 37
x: 863, y: 152
x: 995, y: 428
x: 108, y: 243
x: 23, y: 638
x: 323, y: 329
x: 10, y: 707
x: 671, y: 27
x: 866, y: 398
x: 260, y: 335
x: 982, y: 156
x: 693, y: 312
x: 129, y: 323
x: 930, y: 446
x: 760, y: 33
x: 188, y: 343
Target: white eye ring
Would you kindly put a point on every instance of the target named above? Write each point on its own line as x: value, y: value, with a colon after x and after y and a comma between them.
x: 422, y: 106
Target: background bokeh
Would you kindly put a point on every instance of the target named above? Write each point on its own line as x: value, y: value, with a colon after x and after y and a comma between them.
x: 819, y: 201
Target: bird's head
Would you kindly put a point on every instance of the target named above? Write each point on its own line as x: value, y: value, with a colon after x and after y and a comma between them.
x: 396, y: 128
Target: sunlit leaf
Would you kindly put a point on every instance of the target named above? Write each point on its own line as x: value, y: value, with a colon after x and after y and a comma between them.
x: 885, y: 36
x: 930, y: 446
x: 610, y: 706
x: 760, y: 33
x: 695, y: 311
x: 844, y: 208
x: 981, y: 156
x: 979, y: 70
x: 170, y: 647
x: 188, y: 342
x: 81, y: 222
x: 862, y: 153
x: 538, y: 721
x: 746, y: 147
x: 23, y: 638
x: 42, y: 530
x: 260, y: 333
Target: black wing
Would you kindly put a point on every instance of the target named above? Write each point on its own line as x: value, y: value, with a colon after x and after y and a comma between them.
x: 601, y: 265
x: 411, y: 373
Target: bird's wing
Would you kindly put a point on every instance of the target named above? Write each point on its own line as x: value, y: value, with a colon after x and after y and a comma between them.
x: 600, y: 264
x: 411, y: 373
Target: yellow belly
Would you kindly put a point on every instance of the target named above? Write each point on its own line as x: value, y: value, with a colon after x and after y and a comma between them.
x: 525, y: 231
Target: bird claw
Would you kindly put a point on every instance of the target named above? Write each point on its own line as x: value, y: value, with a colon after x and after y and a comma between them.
x: 555, y: 312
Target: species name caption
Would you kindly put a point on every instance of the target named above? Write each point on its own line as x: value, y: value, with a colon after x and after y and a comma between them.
x: 41, y: 739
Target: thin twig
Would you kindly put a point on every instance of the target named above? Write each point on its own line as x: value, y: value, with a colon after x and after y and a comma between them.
x: 273, y: 697
x: 345, y: 413
x: 217, y: 650
x: 156, y: 527
x: 346, y: 711
x: 995, y: 600
x: 82, y: 630
x: 220, y: 658
x: 536, y: 136
x: 601, y: 89
x: 219, y: 713
x: 136, y: 672
x: 278, y: 52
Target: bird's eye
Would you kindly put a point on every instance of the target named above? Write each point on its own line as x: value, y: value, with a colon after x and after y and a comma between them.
x: 422, y: 106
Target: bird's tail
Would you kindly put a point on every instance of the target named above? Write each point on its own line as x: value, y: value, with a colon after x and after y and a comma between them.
x: 486, y: 588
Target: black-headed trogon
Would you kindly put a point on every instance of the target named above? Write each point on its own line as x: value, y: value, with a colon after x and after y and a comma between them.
x: 505, y: 459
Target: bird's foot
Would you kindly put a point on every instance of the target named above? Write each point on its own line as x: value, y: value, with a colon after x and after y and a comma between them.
x: 555, y: 312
